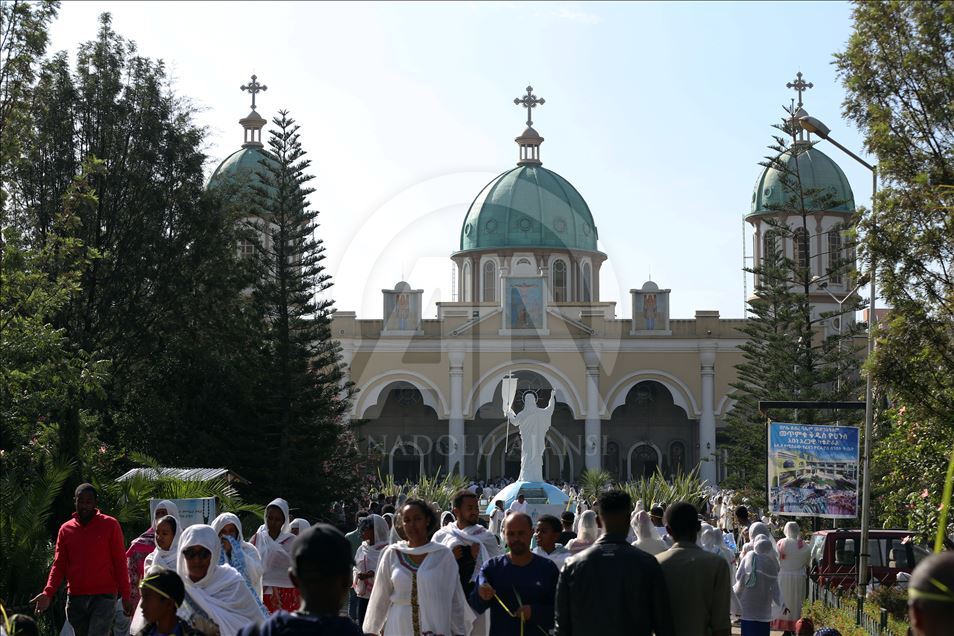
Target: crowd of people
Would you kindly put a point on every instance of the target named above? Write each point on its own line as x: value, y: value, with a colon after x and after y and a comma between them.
x: 407, y: 569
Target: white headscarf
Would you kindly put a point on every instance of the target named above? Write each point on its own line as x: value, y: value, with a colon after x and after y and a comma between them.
x: 368, y: 553
x: 172, y: 510
x: 647, y: 539
x: 447, y: 517
x: 253, y: 560
x: 299, y: 524
x: 222, y: 592
x: 166, y: 558
x: 275, y: 553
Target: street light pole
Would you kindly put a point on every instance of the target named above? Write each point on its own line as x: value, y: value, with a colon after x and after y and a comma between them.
x: 814, y: 125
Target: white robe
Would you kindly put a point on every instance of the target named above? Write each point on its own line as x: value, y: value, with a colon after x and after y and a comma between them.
x: 756, y: 583
x: 222, y: 593
x: 275, y: 553
x: 367, y: 556
x: 253, y: 559
x: 793, y: 562
x: 442, y: 607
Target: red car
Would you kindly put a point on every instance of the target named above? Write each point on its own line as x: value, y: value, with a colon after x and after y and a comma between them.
x: 834, y: 559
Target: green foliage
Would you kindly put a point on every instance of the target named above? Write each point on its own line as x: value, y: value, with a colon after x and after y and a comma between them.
x: 655, y: 489
x: 26, y: 548
x: 437, y: 489
x: 896, y: 69
x: 910, y: 461
x: 786, y: 355
x: 304, y: 396
x: 593, y: 482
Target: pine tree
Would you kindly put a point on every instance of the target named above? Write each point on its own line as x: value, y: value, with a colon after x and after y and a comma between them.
x: 786, y: 356
x: 304, y: 397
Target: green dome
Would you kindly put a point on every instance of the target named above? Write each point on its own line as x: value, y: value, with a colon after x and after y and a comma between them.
x: 528, y: 206
x: 817, y: 170
x: 240, y: 167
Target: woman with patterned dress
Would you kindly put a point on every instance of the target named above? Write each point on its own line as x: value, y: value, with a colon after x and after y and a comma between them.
x: 273, y: 541
x: 412, y: 595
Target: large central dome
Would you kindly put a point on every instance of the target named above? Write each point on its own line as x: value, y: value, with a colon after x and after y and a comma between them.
x: 528, y: 206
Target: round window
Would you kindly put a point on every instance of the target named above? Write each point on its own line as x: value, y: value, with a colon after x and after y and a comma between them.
x: 560, y: 225
x: 491, y: 226
x: 524, y: 225
x: 468, y: 229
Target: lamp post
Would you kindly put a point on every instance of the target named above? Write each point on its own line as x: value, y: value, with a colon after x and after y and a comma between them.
x: 813, y: 125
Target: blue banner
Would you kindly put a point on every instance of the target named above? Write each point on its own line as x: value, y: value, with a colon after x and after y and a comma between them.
x: 813, y: 470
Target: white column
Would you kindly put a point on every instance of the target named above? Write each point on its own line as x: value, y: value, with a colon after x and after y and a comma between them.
x: 455, y: 425
x: 707, y: 470
x: 593, y: 434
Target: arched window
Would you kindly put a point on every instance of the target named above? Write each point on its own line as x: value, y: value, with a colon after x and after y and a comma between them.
x: 801, y: 248
x: 586, y: 284
x: 489, y: 293
x: 769, y: 248
x: 466, y: 286
x: 835, y: 256
x: 559, y: 281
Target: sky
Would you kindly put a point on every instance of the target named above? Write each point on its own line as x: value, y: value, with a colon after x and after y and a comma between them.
x: 658, y: 113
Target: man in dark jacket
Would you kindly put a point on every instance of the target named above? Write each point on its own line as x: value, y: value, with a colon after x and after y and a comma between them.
x: 611, y: 587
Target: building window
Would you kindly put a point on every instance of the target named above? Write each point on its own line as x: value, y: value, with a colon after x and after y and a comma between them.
x: 489, y: 282
x: 466, y: 286
x: 835, y: 256
x: 246, y: 248
x: 559, y: 281
x: 769, y: 248
x: 586, y: 285
x: 801, y: 248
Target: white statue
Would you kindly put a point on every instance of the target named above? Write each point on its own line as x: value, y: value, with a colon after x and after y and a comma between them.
x: 533, y: 423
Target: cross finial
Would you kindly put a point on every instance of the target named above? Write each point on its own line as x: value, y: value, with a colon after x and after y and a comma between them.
x: 253, y: 87
x: 529, y: 101
x: 799, y: 85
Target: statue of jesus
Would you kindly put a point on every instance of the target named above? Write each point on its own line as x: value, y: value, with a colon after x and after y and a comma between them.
x: 533, y: 423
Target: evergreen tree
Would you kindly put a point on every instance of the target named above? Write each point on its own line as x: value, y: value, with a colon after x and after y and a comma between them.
x: 897, y: 72
x: 786, y: 355
x: 303, y: 394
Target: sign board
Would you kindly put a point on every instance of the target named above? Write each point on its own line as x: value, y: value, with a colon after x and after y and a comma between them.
x: 813, y: 470
x: 191, y: 511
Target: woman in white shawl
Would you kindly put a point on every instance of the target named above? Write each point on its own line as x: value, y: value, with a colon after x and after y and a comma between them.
x: 793, y: 556
x: 298, y: 525
x: 239, y: 553
x: 447, y: 517
x: 374, y: 532
x: 411, y: 594
x: 167, y: 532
x: 756, y: 584
x: 647, y: 539
x: 587, y: 534
x: 756, y: 530
x: 218, y: 601
x: 274, y: 540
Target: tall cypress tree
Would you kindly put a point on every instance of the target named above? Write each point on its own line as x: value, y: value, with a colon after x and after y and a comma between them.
x: 304, y: 397
x: 786, y: 355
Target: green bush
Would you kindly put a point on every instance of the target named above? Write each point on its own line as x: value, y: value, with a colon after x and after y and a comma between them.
x: 891, y: 599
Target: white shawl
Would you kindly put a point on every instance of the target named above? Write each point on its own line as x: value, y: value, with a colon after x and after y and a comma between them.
x: 166, y: 558
x: 443, y: 608
x: 172, y: 510
x: 368, y: 554
x: 647, y: 539
x: 253, y: 560
x: 452, y: 536
x: 222, y: 592
x: 275, y: 553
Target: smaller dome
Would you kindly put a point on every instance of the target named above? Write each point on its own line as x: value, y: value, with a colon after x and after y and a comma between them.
x: 818, y: 172
x: 650, y: 286
x: 241, y: 167
x: 402, y: 287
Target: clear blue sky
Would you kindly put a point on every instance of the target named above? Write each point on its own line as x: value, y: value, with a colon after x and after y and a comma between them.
x: 657, y: 112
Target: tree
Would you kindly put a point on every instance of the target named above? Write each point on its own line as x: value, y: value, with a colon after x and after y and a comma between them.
x: 304, y: 397
x: 786, y: 356
x: 898, y: 72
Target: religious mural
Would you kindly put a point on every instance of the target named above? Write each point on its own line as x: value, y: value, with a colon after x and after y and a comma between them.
x: 525, y: 305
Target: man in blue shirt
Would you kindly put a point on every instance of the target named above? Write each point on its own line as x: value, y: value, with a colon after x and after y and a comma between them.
x: 518, y: 587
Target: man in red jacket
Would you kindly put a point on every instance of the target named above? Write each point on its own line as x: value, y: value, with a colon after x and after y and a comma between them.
x: 90, y: 555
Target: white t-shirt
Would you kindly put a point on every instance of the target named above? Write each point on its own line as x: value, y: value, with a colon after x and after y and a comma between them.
x: 517, y: 506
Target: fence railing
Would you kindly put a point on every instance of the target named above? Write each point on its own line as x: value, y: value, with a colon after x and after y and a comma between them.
x: 875, y: 626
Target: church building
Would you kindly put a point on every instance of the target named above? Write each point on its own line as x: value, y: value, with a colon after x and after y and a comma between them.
x: 633, y: 395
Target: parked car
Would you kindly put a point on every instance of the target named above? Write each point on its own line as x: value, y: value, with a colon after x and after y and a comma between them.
x: 834, y: 555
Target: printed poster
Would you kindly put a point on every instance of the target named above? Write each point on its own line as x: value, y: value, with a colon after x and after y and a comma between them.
x: 813, y: 470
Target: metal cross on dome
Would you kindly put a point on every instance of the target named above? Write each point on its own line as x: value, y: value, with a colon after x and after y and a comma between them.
x: 253, y: 87
x: 529, y: 101
x: 799, y: 85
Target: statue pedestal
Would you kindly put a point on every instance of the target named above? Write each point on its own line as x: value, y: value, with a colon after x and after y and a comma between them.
x: 542, y: 498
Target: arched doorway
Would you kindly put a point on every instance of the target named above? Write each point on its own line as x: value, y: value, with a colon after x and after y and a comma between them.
x: 643, y: 460
x: 407, y: 462
x: 611, y: 459
x: 677, y: 458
